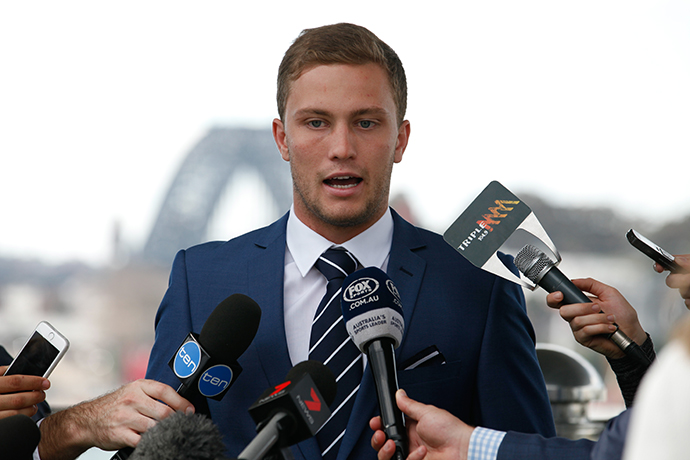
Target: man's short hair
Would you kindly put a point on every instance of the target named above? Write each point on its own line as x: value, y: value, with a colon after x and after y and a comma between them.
x: 340, y: 44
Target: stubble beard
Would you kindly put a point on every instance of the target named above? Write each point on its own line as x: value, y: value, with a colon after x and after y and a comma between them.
x: 371, y: 207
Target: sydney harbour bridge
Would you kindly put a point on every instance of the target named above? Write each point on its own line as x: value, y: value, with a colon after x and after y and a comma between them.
x: 204, y: 175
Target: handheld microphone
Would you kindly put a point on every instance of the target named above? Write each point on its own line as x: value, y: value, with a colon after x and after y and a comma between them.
x: 541, y: 270
x: 181, y: 437
x: 373, y: 316
x: 206, y: 363
x: 292, y: 411
x: 19, y: 437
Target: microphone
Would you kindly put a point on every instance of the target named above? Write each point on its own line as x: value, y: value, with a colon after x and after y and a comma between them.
x: 541, y: 270
x: 181, y: 437
x: 206, y: 363
x: 373, y: 316
x: 19, y: 437
x: 291, y: 411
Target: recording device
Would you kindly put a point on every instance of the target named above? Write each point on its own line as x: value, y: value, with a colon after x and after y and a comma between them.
x: 541, y: 270
x: 181, y: 437
x: 653, y: 251
x: 19, y: 436
x: 206, y: 363
x: 373, y: 316
x: 291, y: 411
x: 41, y: 353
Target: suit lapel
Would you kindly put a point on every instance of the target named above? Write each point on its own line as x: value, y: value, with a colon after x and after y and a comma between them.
x: 406, y: 269
x: 265, y: 275
x: 265, y: 280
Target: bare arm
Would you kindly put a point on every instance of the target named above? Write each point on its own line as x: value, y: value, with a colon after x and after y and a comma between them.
x: 110, y: 422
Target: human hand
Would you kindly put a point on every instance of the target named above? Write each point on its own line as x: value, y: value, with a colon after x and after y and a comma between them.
x: 19, y: 394
x: 433, y: 433
x: 590, y: 327
x: 110, y: 422
x: 680, y: 281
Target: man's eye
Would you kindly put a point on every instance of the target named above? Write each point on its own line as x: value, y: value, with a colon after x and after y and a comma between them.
x: 316, y: 123
x: 366, y: 124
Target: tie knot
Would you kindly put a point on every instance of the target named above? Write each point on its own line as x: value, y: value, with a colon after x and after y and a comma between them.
x: 336, y: 263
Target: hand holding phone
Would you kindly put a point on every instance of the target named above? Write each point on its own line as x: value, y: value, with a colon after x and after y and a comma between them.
x: 653, y: 251
x: 41, y: 353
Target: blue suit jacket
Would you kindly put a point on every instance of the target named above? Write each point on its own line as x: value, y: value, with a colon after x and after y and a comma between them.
x: 478, y: 321
x: 521, y: 446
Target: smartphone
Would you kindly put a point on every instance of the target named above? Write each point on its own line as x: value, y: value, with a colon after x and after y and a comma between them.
x: 41, y: 353
x: 654, y: 251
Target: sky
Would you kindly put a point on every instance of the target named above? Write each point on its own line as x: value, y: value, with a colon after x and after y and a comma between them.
x: 585, y: 103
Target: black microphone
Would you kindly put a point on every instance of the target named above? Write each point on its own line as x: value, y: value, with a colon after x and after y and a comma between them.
x: 19, y: 437
x: 181, y: 437
x: 291, y: 411
x: 206, y: 363
x: 541, y: 270
x: 374, y: 319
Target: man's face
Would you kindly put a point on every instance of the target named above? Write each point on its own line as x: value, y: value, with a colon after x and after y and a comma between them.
x: 341, y: 138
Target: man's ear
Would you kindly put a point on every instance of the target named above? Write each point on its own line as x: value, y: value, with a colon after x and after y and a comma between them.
x: 280, y: 138
x: 403, y: 138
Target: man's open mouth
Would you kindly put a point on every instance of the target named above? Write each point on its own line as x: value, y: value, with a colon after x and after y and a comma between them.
x: 343, y: 181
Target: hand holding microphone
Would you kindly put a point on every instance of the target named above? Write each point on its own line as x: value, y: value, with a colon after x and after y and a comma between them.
x: 207, y: 364
x: 374, y: 319
x: 541, y: 270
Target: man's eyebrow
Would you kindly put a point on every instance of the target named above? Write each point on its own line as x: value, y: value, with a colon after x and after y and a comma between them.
x: 374, y: 110
x: 311, y: 112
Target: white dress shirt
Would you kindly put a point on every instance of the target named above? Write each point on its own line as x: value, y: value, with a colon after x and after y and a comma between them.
x: 304, y: 285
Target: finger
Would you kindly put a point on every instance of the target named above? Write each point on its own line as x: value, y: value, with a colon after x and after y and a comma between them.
x: 160, y: 391
x: 375, y: 423
x: 593, y: 286
x: 29, y: 411
x: 387, y: 451
x: 413, y: 409
x: 23, y: 400
x: 418, y: 454
x: 378, y: 439
x: 684, y: 261
x: 19, y: 383
x: 578, y: 310
x: 554, y: 299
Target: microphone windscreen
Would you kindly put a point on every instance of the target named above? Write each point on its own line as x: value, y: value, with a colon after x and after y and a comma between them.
x: 532, y: 262
x: 181, y: 437
x: 19, y: 437
x: 321, y: 375
x: 230, y: 328
x: 371, y: 307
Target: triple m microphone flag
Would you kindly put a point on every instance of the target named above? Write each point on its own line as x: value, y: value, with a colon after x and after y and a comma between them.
x: 486, y: 225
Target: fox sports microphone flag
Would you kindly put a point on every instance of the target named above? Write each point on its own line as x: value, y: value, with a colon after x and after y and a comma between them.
x: 371, y: 307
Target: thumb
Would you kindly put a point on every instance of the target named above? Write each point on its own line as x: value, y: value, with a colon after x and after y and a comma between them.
x: 413, y: 409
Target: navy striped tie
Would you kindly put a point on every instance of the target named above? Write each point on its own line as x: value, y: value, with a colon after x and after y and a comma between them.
x: 331, y: 345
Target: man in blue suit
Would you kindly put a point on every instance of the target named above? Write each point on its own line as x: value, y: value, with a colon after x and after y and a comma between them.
x: 341, y: 101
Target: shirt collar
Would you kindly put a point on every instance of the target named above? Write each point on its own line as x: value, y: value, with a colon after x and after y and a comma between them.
x: 371, y: 247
